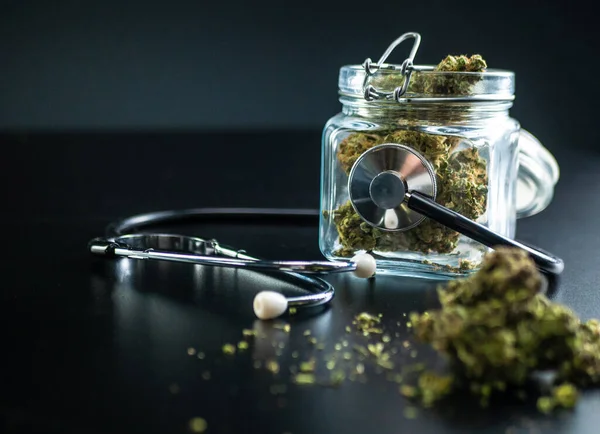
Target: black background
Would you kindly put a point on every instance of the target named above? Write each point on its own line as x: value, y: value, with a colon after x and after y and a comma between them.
x: 273, y: 64
x: 111, y: 108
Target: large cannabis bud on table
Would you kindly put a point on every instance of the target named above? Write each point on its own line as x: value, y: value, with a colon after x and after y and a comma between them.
x: 497, y: 330
x: 461, y: 173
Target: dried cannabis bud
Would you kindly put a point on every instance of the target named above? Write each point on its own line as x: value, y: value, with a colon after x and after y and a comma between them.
x: 462, y: 187
x: 442, y: 80
x: 450, y: 83
x: 497, y: 330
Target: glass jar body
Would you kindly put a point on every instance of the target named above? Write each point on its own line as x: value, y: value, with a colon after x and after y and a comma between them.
x: 474, y: 151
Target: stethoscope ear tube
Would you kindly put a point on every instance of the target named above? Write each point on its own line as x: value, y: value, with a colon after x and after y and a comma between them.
x: 451, y: 219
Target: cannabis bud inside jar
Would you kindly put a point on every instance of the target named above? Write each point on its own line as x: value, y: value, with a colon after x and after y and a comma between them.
x: 454, y: 117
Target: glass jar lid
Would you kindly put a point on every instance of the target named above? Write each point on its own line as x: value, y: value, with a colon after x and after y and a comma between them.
x: 407, y: 82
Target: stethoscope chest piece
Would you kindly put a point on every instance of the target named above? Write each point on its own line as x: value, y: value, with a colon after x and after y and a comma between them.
x: 380, y: 180
x: 392, y: 188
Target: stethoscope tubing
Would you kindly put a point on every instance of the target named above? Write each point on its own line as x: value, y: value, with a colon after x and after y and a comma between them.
x: 115, y: 242
x: 544, y: 261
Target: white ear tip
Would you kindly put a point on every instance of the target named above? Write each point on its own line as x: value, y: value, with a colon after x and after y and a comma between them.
x: 269, y: 304
x: 366, y: 266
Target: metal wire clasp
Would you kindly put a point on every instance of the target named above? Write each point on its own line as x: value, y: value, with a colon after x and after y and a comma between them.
x: 406, y: 69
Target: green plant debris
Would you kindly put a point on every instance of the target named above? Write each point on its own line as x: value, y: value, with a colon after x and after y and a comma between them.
x: 366, y: 323
x: 228, y: 349
x: 433, y: 387
x: 242, y: 345
x: 272, y: 366
x: 562, y: 396
x: 408, y: 390
x: 385, y: 362
x: 497, y: 330
x: 308, y: 366
x: 337, y: 377
x: 304, y: 378
x: 361, y: 350
x: 410, y: 412
x: 285, y: 327
x: 375, y: 349
x: 198, y: 425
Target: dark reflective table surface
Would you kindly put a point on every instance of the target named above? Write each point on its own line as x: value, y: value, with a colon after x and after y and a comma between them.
x: 103, y: 346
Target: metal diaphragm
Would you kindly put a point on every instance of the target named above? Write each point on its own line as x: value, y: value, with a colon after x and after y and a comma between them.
x: 378, y: 183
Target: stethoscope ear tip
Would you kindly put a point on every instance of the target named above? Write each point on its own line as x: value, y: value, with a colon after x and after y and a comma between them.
x: 366, y: 266
x: 269, y: 305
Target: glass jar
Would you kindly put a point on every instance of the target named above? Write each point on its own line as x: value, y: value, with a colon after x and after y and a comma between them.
x: 484, y: 166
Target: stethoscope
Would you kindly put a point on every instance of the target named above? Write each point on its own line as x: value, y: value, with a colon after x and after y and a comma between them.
x: 391, y: 187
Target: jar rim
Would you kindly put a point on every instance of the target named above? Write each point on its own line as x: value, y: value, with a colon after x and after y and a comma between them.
x: 430, y: 70
x: 428, y: 85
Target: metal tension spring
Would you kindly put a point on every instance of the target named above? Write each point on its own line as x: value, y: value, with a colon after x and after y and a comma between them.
x: 406, y: 69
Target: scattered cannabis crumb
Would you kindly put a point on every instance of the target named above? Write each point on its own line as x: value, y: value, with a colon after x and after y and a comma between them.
x: 308, y: 366
x: 410, y: 412
x: 367, y: 323
x: 493, y: 331
x: 198, y: 425
x: 228, y: 349
x: 285, y: 327
x: 272, y: 366
x: 304, y: 378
